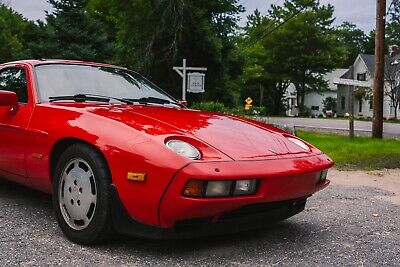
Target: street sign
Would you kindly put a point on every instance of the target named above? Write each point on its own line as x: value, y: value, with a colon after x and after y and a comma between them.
x: 249, y: 101
x: 196, y: 82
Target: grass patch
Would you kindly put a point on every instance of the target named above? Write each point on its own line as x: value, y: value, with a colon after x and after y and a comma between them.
x: 361, y: 153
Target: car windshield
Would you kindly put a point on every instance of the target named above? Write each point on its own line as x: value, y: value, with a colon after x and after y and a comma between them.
x: 55, y: 80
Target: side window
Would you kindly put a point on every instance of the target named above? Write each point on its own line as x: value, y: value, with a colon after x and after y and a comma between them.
x: 14, y: 80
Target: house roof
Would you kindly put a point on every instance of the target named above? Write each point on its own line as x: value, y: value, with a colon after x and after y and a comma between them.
x: 331, y: 76
x: 369, y: 61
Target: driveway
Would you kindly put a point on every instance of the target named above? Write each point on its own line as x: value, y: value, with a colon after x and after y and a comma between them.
x: 390, y: 129
x: 354, y: 222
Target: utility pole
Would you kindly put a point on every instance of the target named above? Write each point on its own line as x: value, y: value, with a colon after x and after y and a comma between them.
x: 350, y: 106
x: 377, y: 124
x: 351, y: 111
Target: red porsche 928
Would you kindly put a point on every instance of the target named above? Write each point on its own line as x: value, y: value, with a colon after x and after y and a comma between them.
x: 117, y: 153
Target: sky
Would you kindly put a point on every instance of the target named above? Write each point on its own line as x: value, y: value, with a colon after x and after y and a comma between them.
x: 360, y: 12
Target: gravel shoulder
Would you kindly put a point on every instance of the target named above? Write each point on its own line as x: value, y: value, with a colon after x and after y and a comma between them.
x: 354, y: 222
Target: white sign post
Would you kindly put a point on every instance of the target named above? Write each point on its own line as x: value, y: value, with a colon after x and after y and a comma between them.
x: 196, y: 80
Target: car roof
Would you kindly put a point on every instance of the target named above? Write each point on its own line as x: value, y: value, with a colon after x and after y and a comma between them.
x: 37, y: 62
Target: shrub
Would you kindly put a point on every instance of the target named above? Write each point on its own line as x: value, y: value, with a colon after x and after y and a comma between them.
x: 305, y: 112
x: 209, y: 106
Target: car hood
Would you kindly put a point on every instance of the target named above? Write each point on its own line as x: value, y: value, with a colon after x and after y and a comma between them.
x: 237, y: 138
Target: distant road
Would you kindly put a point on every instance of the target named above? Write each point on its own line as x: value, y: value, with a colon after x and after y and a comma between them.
x: 390, y: 129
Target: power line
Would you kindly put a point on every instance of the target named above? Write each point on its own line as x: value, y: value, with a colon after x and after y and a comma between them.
x: 267, y: 33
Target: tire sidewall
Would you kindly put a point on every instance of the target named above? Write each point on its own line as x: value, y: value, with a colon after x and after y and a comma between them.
x: 100, y: 224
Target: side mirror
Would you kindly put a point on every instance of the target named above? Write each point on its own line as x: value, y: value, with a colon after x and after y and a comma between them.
x: 183, y: 103
x: 9, y: 99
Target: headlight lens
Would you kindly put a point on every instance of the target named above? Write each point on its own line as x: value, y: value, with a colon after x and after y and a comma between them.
x: 218, y: 188
x: 184, y: 149
x: 245, y: 187
x: 299, y: 143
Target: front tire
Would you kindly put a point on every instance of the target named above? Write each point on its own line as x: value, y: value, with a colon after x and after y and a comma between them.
x: 81, y: 195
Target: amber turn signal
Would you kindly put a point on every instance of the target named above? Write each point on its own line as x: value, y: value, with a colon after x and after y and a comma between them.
x: 137, y: 177
x: 194, y: 188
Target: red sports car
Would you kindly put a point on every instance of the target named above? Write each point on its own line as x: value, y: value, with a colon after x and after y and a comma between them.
x: 117, y: 152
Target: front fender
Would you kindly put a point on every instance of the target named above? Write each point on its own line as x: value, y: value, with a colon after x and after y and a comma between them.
x: 124, y: 148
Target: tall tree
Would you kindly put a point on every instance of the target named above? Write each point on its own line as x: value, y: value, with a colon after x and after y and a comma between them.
x: 153, y: 36
x: 296, y: 45
x: 73, y: 34
x: 12, y: 29
x: 353, y: 39
x: 369, y: 45
x: 264, y: 75
x: 309, y: 48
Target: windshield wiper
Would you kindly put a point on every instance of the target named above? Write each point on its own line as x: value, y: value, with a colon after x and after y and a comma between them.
x: 152, y: 100
x: 89, y: 97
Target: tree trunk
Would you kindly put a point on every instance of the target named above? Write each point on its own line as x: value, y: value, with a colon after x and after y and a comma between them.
x: 261, y: 94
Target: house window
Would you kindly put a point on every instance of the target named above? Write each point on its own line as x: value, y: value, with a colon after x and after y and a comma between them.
x: 315, y: 108
x: 360, y: 103
x: 361, y: 76
x: 343, y: 102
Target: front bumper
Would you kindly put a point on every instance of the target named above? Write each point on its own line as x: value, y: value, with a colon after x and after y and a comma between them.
x: 279, y: 180
x: 284, y: 186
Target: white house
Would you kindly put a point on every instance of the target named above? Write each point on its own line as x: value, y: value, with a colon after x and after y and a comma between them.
x: 314, y: 100
x: 360, y: 78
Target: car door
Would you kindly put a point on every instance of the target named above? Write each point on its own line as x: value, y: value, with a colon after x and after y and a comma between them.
x: 13, y: 126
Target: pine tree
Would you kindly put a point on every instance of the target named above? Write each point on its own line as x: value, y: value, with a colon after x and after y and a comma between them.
x: 73, y: 34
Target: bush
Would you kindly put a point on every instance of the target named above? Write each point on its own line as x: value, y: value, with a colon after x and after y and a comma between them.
x: 209, y: 106
x: 305, y: 112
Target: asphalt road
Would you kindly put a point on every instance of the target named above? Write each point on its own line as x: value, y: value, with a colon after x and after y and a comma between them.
x: 342, y: 226
x: 390, y: 129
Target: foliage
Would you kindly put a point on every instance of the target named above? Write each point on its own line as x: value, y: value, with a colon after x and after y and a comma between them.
x: 154, y: 36
x: 392, y: 85
x: 259, y: 61
x: 359, y: 153
x: 305, y: 112
x: 209, y: 106
x: 369, y: 45
x: 72, y: 34
x: 353, y: 39
x: 274, y: 62
x: 393, y: 27
x: 362, y: 93
x: 12, y: 30
x: 330, y: 103
x: 392, y: 73
x: 313, y: 50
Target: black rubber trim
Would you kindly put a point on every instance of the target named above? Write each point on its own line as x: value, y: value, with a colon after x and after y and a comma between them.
x: 245, y: 218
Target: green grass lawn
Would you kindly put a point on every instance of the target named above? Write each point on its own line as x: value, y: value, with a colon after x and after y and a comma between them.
x: 361, y: 153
